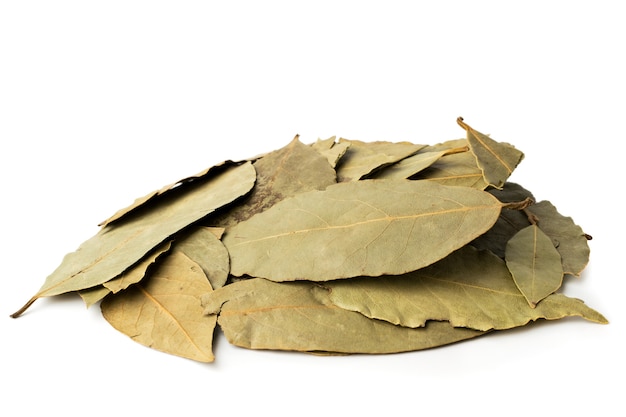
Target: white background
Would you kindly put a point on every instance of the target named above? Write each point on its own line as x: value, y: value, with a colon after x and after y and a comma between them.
x: 102, y: 102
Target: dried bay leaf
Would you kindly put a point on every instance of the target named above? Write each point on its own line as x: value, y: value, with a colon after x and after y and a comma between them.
x: 135, y: 273
x: 332, y: 150
x: 292, y: 169
x: 571, y: 241
x: 148, y: 198
x: 132, y: 275
x: 535, y: 264
x: 165, y: 311
x: 497, y: 160
x: 469, y: 288
x: 363, y: 158
x: 203, y: 246
x: 509, y: 222
x: 94, y: 294
x: 371, y: 227
x: 117, y: 246
x: 458, y: 169
x: 260, y: 314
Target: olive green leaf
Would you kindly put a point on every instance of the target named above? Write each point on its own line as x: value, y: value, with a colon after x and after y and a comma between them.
x: 370, y: 227
x: 332, y: 150
x: 260, y: 314
x: 132, y: 275
x: 497, y: 160
x: 568, y: 237
x: 203, y: 246
x: 118, y: 246
x: 457, y: 169
x: 292, y: 169
x: 363, y: 158
x: 150, y: 197
x: 535, y: 264
x: 509, y: 222
x: 94, y: 294
x: 164, y: 312
x: 414, y: 164
x: 469, y: 288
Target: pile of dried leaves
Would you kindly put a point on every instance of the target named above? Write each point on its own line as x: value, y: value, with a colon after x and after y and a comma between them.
x: 340, y: 246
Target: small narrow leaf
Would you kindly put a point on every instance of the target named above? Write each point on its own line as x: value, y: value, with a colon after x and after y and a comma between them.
x: 497, y: 160
x: 165, y: 312
x: 260, y: 314
x: 371, y: 227
x: 535, y: 264
x: 363, y: 158
x: 458, y: 169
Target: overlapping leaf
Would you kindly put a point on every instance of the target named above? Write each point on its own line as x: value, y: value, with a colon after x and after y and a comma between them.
x: 371, y: 227
x: 416, y: 247
x: 534, y: 263
x: 260, y: 314
x: 165, y: 312
x: 497, y: 160
x: 468, y: 288
x: 363, y: 158
x: 119, y: 245
x: 294, y: 169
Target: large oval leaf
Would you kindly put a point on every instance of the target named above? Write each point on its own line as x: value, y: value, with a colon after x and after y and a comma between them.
x: 468, y: 288
x: 260, y: 314
x: 119, y: 245
x: 165, y: 312
x: 370, y: 227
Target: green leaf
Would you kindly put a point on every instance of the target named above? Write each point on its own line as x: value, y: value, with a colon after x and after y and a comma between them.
x: 363, y: 158
x: 371, y: 227
x: 534, y: 263
x: 260, y: 314
x: 165, y: 311
x: 468, y: 288
x: 119, y: 245
x: 497, y: 160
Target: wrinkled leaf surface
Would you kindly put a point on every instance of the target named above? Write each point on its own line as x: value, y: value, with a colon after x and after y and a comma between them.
x: 260, y: 314
x: 294, y: 169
